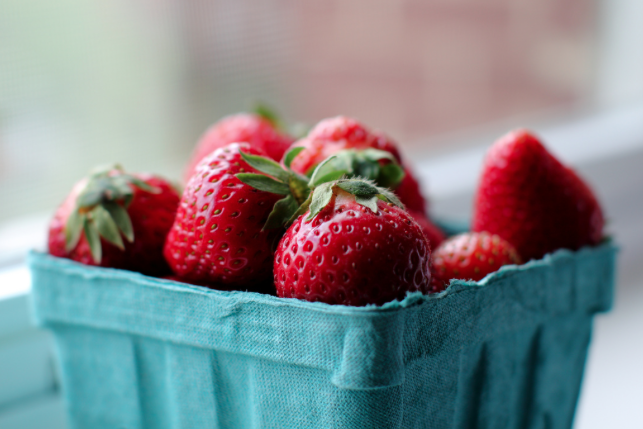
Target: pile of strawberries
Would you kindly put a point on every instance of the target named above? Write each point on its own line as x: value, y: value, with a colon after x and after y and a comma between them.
x: 336, y: 216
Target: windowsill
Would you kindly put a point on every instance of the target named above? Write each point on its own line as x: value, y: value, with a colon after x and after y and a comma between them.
x: 15, y: 281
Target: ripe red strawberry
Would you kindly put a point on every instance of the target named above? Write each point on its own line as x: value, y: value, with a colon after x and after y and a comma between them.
x: 432, y: 232
x: 88, y: 227
x: 254, y: 129
x: 470, y: 256
x: 332, y: 135
x: 352, y: 249
x: 217, y: 235
x: 530, y: 199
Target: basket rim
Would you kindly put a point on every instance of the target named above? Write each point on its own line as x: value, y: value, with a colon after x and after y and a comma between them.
x: 412, y: 299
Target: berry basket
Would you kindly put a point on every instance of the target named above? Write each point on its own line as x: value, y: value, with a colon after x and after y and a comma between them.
x: 505, y: 352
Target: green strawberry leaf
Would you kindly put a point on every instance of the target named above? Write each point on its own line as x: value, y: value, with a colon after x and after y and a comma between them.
x: 321, y: 196
x: 327, y: 170
x: 265, y: 165
x: 299, y: 188
x: 378, y: 155
x: 292, y: 154
x: 301, y: 210
x: 74, y: 229
x: 127, y: 200
x: 366, y: 169
x: 360, y: 188
x: 311, y: 170
x: 104, y: 187
x: 121, y: 218
x: 330, y: 177
x: 111, y: 188
x: 93, y: 239
x: 390, y: 176
x: 389, y: 196
x: 264, y: 183
x: 370, y: 202
x: 344, y: 159
x: 107, y: 227
x: 359, y: 163
x: 142, y: 184
x: 281, y: 213
x: 120, y: 186
x: 90, y: 196
x: 269, y: 114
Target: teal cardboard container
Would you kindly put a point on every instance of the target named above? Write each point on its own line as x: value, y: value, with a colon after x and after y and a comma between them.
x: 505, y: 352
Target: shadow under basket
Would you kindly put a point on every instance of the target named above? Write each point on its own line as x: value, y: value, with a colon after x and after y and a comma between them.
x: 506, y: 352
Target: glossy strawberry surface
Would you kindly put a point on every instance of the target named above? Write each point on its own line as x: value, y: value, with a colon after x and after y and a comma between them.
x: 470, y: 256
x: 243, y: 127
x: 334, y: 134
x: 217, y: 235
x: 349, y: 255
x: 529, y: 198
x: 151, y: 215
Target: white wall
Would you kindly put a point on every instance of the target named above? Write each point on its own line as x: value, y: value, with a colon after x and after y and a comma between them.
x: 620, y: 51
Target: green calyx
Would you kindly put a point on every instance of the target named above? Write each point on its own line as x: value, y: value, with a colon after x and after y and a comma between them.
x: 372, y: 164
x: 269, y: 114
x: 277, y: 180
x: 301, y: 193
x: 366, y: 193
x: 101, y: 210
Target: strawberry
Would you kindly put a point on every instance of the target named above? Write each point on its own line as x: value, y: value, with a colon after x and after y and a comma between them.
x: 257, y: 130
x: 470, y: 256
x: 332, y: 135
x: 352, y: 248
x: 432, y: 232
x: 218, y: 235
x: 530, y: 199
x: 108, y: 206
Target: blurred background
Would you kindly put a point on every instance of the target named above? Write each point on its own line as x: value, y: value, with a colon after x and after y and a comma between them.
x: 87, y: 82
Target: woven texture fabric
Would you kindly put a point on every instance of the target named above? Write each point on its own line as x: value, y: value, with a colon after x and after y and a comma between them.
x: 505, y: 352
